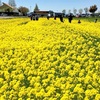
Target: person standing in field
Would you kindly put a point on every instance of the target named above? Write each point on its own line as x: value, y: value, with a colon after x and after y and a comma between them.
x: 95, y: 20
x: 79, y: 21
x: 36, y: 17
x: 54, y: 17
x: 48, y: 16
x: 31, y: 17
x: 61, y: 18
x: 70, y: 18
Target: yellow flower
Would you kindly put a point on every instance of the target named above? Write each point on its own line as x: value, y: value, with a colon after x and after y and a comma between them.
x: 97, y: 97
x: 49, y: 59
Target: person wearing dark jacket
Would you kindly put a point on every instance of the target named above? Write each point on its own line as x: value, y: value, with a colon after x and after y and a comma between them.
x: 79, y: 21
x: 36, y: 17
x: 70, y: 17
x: 31, y: 17
x: 61, y: 18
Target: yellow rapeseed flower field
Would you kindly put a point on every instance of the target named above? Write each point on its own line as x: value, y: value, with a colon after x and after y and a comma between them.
x: 49, y: 60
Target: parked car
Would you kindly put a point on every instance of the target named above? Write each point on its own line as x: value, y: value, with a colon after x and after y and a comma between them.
x: 30, y: 14
x: 58, y: 14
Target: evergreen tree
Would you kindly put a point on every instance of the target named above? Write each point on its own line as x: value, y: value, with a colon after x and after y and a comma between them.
x: 36, y: 8
x: 12, y: 3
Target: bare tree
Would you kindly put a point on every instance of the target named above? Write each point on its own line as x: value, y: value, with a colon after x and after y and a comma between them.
x: 64, y: 11
x: 99, y: 11
x: 12, y: 3
x: 69, y: 11
x: 86, y: 10
x: 80, y: 11
x: 23, y: 10
x: 74, y: 11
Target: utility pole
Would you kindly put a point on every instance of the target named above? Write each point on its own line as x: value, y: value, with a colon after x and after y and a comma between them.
x: 12, y: 3
x: 30, y: 8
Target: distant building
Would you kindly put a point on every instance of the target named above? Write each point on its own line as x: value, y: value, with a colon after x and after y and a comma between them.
x: 44, y: 13
x: 6, y: 9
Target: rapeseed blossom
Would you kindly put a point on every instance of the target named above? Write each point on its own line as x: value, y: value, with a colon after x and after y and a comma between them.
x: 49, y: 60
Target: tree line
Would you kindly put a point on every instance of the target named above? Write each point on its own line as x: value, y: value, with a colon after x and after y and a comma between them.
x: 92, y: 10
